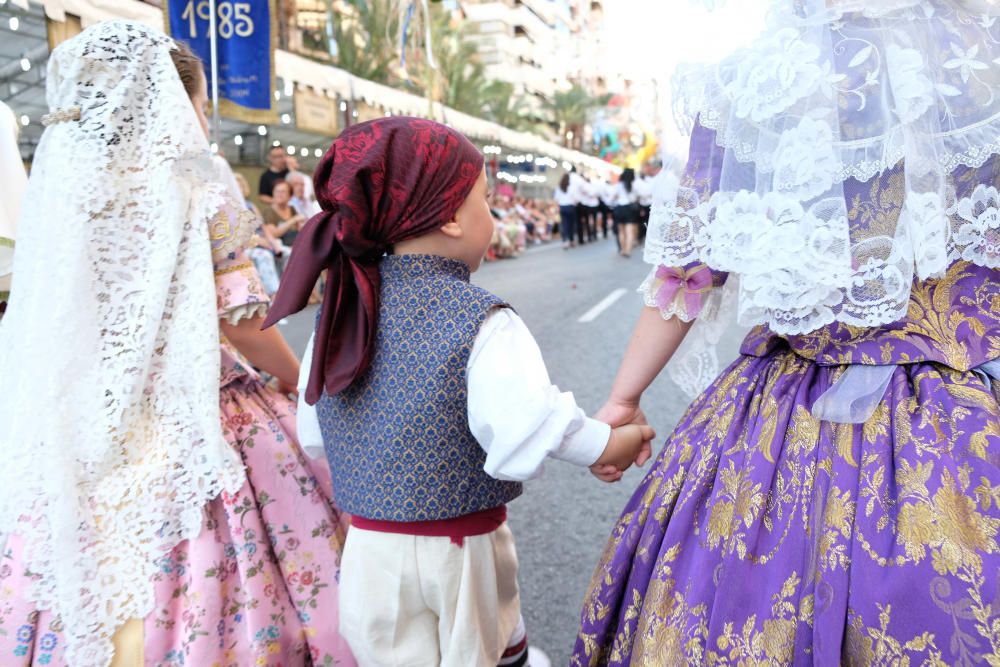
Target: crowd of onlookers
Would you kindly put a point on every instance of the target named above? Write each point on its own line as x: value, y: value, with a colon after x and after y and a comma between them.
x: 582, y: 210
x: 520, y: 222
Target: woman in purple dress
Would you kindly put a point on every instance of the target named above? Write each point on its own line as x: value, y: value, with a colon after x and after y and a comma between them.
x: 834, y: 496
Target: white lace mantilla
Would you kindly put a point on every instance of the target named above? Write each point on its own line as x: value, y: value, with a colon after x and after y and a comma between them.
x: 836, y: 91
x: 109, y: 356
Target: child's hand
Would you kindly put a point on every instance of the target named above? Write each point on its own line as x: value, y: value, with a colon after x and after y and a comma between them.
x: 625, y: 446
x: 606, y: 472
x: 620, y: 413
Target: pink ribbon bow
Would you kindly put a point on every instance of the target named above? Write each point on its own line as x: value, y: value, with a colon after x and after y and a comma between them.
x: 692, y: 283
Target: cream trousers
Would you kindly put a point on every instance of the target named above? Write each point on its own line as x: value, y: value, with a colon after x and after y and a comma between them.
x: 409, y: 601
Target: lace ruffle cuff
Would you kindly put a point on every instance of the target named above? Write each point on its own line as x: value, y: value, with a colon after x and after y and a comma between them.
x: 680, y: 292
x: 246, y: 311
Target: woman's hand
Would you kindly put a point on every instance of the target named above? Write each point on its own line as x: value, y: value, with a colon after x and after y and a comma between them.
x: 619, y: 413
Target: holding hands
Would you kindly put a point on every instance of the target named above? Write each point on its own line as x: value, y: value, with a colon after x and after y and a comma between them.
x: 631, y: 440
x: 653, y: 342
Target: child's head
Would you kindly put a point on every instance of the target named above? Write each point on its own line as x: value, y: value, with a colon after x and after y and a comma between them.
x: 397, y: 184
x: 406, y: 186
x: 466, y: 236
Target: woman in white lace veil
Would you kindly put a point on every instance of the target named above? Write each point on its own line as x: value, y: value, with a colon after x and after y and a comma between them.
x: 109, y: 351
x: 831, y: 497
x: 13, y: 178
x: 196, y: 544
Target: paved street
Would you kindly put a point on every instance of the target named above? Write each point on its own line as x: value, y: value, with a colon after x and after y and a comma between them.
x: 564, y: 518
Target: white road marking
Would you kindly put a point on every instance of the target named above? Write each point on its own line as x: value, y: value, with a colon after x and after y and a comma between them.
x: 545, y: 247
x: 605, y: 303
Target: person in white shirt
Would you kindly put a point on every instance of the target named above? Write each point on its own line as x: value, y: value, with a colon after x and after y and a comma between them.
x: 625, y: 205
x: 604, y: 213
x: 644, y: 188
x: 566, y: 199
x: 578, y: 187
x: 590, y: 202
x: 303, y: 202
x: 292, y: 163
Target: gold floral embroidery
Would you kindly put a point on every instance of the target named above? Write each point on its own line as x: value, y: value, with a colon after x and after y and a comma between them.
x: 909, y: 487
x: 772, y: 642
x: 877, y: 646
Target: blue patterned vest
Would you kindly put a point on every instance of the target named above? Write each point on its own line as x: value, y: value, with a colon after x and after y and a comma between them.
x: 398, y: 439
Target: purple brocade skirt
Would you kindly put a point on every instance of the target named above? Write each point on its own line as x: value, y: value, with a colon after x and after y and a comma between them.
x: 763, y: 536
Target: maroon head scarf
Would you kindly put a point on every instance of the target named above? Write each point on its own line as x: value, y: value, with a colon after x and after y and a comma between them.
x: 381, y: 183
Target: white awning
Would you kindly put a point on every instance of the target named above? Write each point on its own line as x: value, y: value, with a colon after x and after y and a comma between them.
x: 322, y: 77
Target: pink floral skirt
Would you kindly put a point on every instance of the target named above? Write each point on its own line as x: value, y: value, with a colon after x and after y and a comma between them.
x: 258, y: 586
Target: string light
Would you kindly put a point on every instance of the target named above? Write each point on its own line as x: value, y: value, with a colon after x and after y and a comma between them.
x: 238, y: 140
x: 15, y: 23
x: 286, y: 118
x: 262, y: 131
x: 318, y: 152
x: 275, y: 144
x: 291, y: 149
x: 25, y: 64
x: 25, y: 121
x: 304, y: 152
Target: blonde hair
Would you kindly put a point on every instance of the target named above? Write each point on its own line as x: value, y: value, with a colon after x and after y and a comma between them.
x: 242, y: 182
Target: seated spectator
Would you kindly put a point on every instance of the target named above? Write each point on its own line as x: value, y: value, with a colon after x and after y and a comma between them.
x: 283, y: 218
x: 302, y: 200
x: 266, y: 248
x: 277, y: 171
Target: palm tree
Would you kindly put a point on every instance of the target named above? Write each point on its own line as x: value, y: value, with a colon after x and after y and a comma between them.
x: 570, y: 110
x: 461, y: 75
x: 367, y: 45
x: 503, y: 106
x: 461, y: 80
x: 366, y: 40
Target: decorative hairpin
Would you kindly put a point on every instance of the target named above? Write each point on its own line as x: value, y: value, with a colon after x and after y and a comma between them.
x: 61, y: 116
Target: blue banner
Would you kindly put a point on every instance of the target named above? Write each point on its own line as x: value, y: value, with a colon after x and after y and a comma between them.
x: 246, y: 42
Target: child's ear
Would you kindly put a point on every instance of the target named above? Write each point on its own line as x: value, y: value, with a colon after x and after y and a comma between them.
x: 452, y: 229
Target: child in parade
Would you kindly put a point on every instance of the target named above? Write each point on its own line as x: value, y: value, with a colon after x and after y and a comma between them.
x: 432, y: 397
x: 832, y: 497
x: 163, y: 513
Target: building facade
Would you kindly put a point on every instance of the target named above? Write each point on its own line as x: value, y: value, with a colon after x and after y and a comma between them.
x: 539, y: 46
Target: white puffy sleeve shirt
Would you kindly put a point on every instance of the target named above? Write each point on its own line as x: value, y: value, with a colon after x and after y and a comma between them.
x: 517, y: 415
